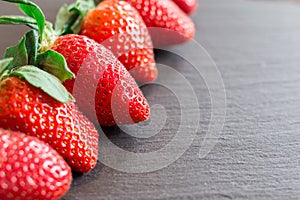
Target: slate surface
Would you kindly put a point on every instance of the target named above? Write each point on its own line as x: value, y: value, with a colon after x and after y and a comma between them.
x: 256, y: 47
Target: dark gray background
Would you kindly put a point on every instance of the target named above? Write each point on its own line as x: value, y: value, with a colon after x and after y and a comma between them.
x: 256, y: 45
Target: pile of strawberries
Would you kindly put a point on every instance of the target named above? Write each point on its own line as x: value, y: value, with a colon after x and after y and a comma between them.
x: 57, y: 82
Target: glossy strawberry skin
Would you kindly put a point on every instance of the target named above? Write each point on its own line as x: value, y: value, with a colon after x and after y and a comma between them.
x: 103, y: 88
x: 119, y: 27
x: 167, y: 23
x: 30, y: 168
x: 188, y: 6
x: 29, y: 110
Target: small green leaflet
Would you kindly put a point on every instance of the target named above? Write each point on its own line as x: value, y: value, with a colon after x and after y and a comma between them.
x: 31, y: 10
x: 55, y: 64
x: 36, y: 13
x: 4, y: 64
x: 45, y: 81
x: 25, y: 52
x: 69, y: 18
x: 32, y: 46
x: 16, y: 19
x: 18, y: 1
x: 64, y: 20
x: 82, y: 7
x: 18, y: 52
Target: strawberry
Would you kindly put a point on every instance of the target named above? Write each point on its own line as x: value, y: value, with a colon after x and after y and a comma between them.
x: 119, y: 27
x: 117, y: 97
x: 30, y: 168
x: 188, y: 6
x: 167, y: 23
x: 103, y: 88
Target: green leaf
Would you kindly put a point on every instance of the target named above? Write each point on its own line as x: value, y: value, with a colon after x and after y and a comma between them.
x: 32, y: 46
x: 16, y: 19
x: 32, y: 10
x: 4, y: 64
x: 69, y: 18
x: 18, y: 1
x: 45, y: 81
x: 82, y: 7
x: 65, y: 20
x: 25, y: 52
x: 18, y: 52
x: 55, y: 64
x: 36, y: 13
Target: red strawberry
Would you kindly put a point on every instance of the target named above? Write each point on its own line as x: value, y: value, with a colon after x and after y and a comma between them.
x: 28, y: 109
x: 167, y: 23
x: 119, y: 27
x: 31, y: 169
x: 103, y: 87
x: 188, y: 6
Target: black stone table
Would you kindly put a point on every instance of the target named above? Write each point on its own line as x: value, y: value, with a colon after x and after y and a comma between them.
x: 225, y: 112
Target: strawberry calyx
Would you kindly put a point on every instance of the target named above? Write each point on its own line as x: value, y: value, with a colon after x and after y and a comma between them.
x: 21, y: 60
x: 69, y: 17
x: 34, y: 48
x: 31, y: 58
x: 26, y: 52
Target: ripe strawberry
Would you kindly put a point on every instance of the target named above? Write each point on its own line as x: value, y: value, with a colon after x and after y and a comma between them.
x: 31, y: 169
x: 119, y: 27
x: 167, y: 23
x: 188, y: 6
x: 30, y: 110
x: 103, y: 87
